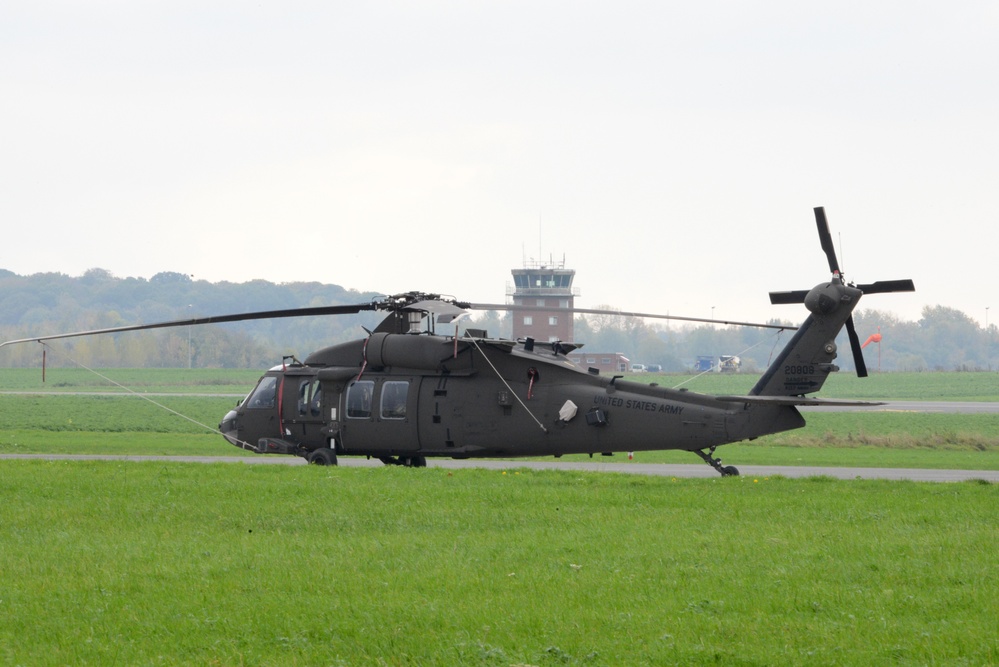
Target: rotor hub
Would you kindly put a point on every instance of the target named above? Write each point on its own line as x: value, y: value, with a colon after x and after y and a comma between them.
x: 826, y: 298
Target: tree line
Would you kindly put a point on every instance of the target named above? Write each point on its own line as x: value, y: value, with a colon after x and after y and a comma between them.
x: 942, y: 339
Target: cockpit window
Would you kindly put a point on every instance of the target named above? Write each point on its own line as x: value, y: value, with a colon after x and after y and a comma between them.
x: 394, y: 400
x: 359, y: 399
x: 265, y: 393
x: 314, y: 406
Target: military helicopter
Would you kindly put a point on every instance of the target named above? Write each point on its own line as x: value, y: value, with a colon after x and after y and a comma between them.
x: 404, y: 393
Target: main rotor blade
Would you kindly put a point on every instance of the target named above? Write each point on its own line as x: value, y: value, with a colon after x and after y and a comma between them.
x: 624, y: 313
x: 882, y: 286
x: 216, y: 319
x: 858, y: 351
x: 825, y: 238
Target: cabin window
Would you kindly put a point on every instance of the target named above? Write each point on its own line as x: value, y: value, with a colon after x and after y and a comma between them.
x: 309, y: 393
x: 393, y: 404
x: 265, y: 393
x: 359, y: 399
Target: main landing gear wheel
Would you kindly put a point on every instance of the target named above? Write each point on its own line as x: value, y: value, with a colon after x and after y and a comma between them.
x: 408, y: 461
x: 322, y: 457
x: 709, y: 458
x: 413, y: 461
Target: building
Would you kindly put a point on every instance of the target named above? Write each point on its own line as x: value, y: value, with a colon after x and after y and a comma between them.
x: 547, y: 289
x: 605, y: 362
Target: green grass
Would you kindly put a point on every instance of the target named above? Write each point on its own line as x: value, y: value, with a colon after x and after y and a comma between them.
x: 169, y: 563
x: 162, y: 563
x: 113, y: 414
x: 141, y: 380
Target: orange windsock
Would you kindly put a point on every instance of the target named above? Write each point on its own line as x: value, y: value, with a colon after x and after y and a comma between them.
x: 873, y: 338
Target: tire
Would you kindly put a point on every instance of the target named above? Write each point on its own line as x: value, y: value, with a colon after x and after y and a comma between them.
x: 413, y: 461
x: 322, y: 457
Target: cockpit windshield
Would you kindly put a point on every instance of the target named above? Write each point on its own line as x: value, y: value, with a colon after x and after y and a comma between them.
x: 264, y: 395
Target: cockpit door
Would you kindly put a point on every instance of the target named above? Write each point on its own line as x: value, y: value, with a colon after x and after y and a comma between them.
x: 302, y: 409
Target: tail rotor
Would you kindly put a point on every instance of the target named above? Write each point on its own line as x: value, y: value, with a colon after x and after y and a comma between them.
x: 879, y: 287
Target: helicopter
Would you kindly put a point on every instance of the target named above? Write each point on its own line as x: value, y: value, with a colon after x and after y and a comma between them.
x: 404, y: 393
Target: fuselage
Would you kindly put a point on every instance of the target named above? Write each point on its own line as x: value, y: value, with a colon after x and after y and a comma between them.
x: 428, y: 395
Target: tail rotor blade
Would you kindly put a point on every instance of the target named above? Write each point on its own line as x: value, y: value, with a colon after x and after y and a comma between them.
x: 858, y: 352
x: 825, y: 238
x: 793, y: 296
x: 883, y: 286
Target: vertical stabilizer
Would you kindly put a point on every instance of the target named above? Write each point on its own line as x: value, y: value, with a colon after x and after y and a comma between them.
x: 805, y: 363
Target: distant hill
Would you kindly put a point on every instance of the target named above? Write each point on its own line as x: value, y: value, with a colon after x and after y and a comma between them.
x: 45, y: 303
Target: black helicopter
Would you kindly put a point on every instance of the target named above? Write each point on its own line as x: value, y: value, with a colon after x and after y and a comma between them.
x: 404, y: 393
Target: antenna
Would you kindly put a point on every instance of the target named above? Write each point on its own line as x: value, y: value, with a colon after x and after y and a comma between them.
x: 839, y: 237
x: 539, y: 236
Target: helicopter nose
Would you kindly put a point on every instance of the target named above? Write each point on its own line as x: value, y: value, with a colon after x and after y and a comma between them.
x: 228, y: 428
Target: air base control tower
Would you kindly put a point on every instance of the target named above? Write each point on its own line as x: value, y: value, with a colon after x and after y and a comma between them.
x: 548, y: 287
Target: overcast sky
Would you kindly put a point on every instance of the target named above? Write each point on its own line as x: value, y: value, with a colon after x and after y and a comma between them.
x: 671, y: 152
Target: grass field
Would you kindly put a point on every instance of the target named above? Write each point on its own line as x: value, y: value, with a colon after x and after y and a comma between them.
x: 166, y: 563
x: 141, y: 380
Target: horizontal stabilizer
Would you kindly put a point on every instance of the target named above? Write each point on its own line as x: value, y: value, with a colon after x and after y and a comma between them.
x: 798, y: 400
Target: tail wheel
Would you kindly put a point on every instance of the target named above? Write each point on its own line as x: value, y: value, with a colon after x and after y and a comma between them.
x: 322, y: 457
